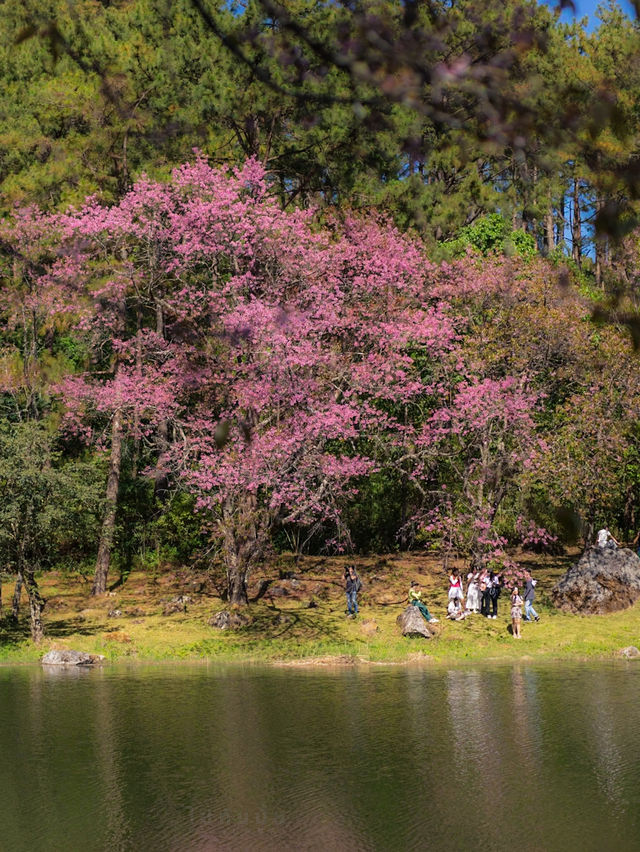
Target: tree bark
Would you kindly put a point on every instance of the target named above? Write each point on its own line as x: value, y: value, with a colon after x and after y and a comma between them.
x: 36, y: 605
x: 237, y: 588
x: 109, y: 521
x: 561, y: 222
x: 243, y: 545
x: 548, y: 229
x: 15, y: 603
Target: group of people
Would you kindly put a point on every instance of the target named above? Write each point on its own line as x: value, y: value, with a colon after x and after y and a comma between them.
x: 484, y: 588
x: 483, y: 592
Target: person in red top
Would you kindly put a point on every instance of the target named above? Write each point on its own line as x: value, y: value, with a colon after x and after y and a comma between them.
x: 455, y: 585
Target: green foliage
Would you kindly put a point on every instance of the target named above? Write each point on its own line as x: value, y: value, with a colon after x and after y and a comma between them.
x: 49, y: 509
x: 178, y: 530
x: 523, y: 244
x: 154, y: 530
x: 377, y: 519
x: 492, y: 234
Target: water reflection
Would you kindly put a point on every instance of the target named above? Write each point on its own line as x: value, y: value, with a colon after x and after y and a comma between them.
x: 209, y: 758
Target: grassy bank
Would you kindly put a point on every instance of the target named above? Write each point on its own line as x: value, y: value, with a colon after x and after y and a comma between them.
x: 301, y: 617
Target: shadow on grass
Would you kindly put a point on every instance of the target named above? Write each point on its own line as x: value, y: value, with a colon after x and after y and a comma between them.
x: 276, y: 623
x: 70, y: 626
x: 13, y: 632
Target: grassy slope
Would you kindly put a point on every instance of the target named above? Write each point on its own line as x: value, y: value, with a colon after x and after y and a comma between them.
x: 286, y: 628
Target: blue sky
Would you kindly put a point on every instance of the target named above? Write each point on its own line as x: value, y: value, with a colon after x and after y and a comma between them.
x: 588, y: 7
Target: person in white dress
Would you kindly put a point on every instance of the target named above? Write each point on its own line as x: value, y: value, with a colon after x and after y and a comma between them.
x: 473, y: 591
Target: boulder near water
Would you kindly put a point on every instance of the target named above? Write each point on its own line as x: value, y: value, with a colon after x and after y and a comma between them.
x: 71, y: 658
x: 630, y: 652
x: 412, y: 623
x: 603, y: 580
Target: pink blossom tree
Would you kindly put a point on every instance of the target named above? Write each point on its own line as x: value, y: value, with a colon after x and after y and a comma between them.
x: 481, y: 441
x: 269, y: 350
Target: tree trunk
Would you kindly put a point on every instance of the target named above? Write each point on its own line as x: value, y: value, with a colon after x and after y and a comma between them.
x: 136, y: 414
x: 160, y: 479
x: 561, y: 222
x: 36, y: 605
x: 15, y: 603
x: 237, y: 588
x: 576, y: 225
x: 243, y: 544
x: 599, y: 248
x: 109, y: 520
x: 237, y: 567
x: 548, y: 230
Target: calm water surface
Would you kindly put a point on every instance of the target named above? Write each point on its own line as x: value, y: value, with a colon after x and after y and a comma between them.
x: 208, y: 758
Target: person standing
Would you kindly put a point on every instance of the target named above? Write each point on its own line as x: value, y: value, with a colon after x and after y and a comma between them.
x: 529, y: 597
x: 352, y: 586
x: 473, y: 591
x: 485, y: 593
x: 494, y: 593
x: 516, y: 613
x: 455, y: 585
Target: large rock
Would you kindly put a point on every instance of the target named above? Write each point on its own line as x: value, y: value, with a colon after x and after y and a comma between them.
x: 630, y: 652
x: 71, y: 658
x: 413, y: 623
x: 176, y: 605
x: 603, y: 580
x: 226, y: 620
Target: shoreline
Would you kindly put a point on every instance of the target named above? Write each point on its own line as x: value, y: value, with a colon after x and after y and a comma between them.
x: 326, y: 662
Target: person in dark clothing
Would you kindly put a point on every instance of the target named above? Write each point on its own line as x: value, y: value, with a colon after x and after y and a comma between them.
x: 485, y: 594
x: 494, y: 593
x: 529, y: 597
x: 352, y: 586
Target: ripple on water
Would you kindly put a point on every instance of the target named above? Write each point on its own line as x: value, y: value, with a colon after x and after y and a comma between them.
x: 207, y: 759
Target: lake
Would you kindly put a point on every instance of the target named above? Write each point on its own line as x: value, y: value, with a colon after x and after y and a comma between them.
x: 206, y: 757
